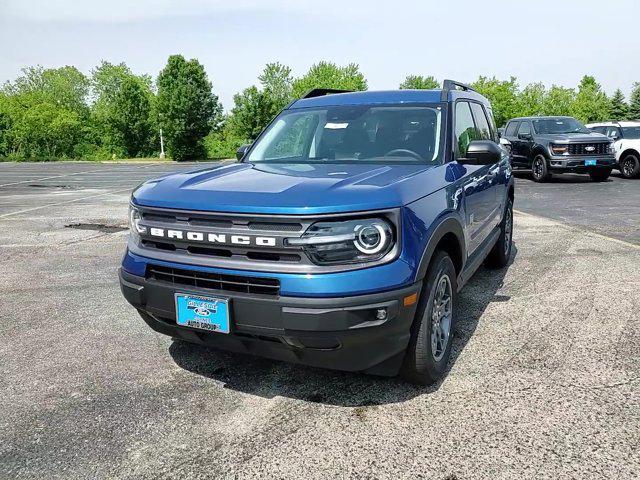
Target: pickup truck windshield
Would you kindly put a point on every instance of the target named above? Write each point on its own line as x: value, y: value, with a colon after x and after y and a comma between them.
x: 551, y: 126
x: 354, y: 134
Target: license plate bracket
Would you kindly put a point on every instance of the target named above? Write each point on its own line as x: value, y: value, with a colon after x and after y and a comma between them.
x: 202, y: 313
x: 590, y: 162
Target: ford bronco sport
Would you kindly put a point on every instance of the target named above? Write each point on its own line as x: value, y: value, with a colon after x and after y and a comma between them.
x: 626, y: 142
x: 548, y: 145
x: 339, y: 240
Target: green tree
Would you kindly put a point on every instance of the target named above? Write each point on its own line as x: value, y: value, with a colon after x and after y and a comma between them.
x: 252, y: 111
x: 64, y: 87
x: 559, y: 101
x: 619, y: 108
x: 418, y: 82
x: 503, y: 96
x: 329, y: 75
x: 531, y: 100
x: 591, y: 103
x: 122, y: 111
x: 277, y: 84
x: 131, y: 117
x: 634, y: 102
x: 187, y: 108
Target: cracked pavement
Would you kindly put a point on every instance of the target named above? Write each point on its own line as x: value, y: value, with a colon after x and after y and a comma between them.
x: 544, y: 381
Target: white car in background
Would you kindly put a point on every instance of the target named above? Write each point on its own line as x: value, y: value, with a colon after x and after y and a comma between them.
x: 626, y: 138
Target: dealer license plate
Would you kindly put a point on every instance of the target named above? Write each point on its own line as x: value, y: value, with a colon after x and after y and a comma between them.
x: 203, y: 313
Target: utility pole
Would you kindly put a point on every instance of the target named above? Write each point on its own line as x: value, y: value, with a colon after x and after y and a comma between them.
x: 161, y: 145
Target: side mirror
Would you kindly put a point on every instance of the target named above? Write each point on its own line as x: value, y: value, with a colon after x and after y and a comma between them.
x: 525, y: 136
x: 482, y: 152
x: 242, y: 150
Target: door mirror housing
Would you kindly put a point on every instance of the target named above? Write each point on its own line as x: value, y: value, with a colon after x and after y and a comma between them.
x: 242, y: 151
x: 482, y: 152
x: 525, y: 136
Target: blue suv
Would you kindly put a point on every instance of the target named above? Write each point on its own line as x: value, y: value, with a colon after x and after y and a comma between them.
x: 340, y: 239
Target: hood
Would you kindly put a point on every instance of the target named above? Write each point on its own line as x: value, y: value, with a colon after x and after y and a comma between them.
x: 289, y: 188
x: 575, y: 137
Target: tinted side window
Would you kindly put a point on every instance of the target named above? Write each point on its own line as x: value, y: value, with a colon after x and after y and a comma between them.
x: 481, y: 122
x: 525, y: 129
x: 465, y: 128
x: 602, y: 130
x: 511, y: 129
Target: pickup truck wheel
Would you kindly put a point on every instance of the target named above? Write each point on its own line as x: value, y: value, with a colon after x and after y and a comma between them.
x: 501, y: 251
x: 429, y: 348
x: 539, y: 170
x: 630, y: 166
x: 600, y: 175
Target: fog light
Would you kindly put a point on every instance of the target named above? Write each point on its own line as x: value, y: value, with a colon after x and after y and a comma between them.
x: 381, y: 314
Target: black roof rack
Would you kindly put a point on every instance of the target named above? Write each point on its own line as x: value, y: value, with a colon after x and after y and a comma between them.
x: 321, y: 92
x: 449, y: 85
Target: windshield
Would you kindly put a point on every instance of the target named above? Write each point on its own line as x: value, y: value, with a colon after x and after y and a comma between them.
x: 631, y: 132
x: 353, y: 133
x: 559, y: 126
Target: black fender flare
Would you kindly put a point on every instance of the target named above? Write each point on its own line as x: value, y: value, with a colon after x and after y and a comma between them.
x: 537, y: 148
x: 449, y: 224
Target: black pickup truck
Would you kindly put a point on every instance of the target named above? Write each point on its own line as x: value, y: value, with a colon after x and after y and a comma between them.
x: 549, y: 145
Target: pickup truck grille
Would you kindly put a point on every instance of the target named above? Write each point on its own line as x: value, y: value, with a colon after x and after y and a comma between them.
x: 214, y: 281
x: 588, y: 148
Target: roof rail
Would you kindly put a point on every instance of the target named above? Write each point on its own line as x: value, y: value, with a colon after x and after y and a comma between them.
x: 449, y: 85
x: 321, y: 92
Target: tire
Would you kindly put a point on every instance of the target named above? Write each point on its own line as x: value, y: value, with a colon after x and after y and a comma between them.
x: 424, y: 364
x: 501, y: 251
x: 630, y: 166
x: 600, y: 175
x: 539, y: 169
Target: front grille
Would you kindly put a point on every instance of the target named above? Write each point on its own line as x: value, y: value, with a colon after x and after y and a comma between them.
x: 588, y: 148
x: 214, y: 281
x: 226, y: 225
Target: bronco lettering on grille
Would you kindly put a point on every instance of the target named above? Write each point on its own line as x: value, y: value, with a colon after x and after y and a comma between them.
x: 218, y: 238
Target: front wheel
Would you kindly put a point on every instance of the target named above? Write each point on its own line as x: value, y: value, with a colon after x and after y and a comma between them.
x: 501, y: 251
x: 432, y: 330
x: 630, y: 166
x: 539, y: 170
x: 600, y: 175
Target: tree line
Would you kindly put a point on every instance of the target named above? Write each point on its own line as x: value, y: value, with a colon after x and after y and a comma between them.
x: 60, y: 113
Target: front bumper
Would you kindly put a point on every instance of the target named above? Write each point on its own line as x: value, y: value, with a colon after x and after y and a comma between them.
x: 561, y: 163
x: 337, y: 333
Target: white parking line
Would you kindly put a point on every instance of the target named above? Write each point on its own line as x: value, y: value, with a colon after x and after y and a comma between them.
x: 48, y: 178
x: 64, y: 203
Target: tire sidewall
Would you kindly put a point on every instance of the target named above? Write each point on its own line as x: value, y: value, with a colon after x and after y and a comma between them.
x: 545, y: 170
x: 423, y: 367
x: 636, y: 170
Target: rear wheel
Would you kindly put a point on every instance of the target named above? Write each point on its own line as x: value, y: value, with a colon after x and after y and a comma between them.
x: 501, y: 251
x: 600, y: 175
x: 432, y: 330
x: 630, y: 166
x: 539, y: 170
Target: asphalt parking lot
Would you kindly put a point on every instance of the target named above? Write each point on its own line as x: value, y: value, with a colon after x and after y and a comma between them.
x: 544, y: 382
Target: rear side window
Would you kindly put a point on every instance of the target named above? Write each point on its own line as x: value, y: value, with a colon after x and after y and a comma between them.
x: 465, y: 128
x: 481, y: 122
x: 511, y: 129
x: 525, y: 129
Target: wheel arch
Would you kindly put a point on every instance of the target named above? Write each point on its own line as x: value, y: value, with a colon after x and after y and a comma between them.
x: 628, y: 151
x: 447, y: 236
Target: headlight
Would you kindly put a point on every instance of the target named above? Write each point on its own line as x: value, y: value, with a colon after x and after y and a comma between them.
x: 350, y: 241
x: 134, y: 222
x: 559, y: 149
x: 612, y: 148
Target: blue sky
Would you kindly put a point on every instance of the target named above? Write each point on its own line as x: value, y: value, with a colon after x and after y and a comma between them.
x: 540, y: 40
